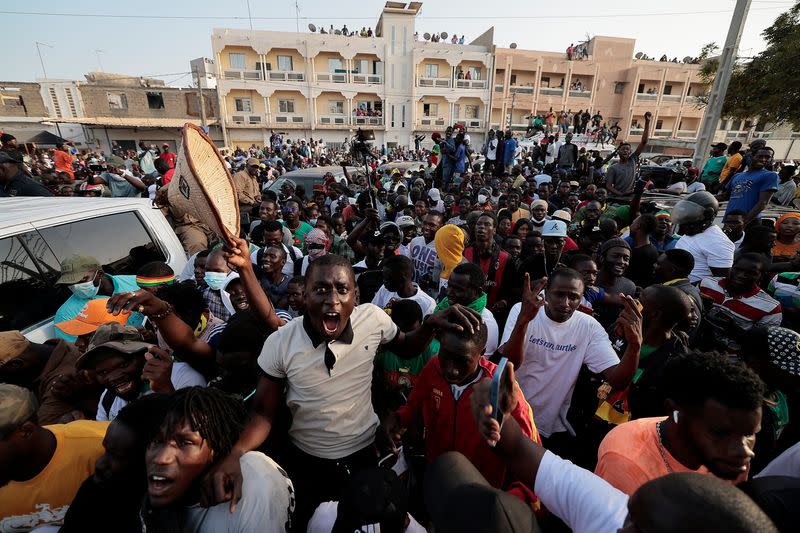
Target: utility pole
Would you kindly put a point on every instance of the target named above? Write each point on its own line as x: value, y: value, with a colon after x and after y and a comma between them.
x: 511, y: 115
x: 720, y: 87
x: 200, y: 96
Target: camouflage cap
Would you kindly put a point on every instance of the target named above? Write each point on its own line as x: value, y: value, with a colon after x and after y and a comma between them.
x: 17, y: 406
x: 76, y: 267
x: 110, y: 339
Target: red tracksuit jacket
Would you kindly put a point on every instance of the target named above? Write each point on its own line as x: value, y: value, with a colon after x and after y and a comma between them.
x: 449, y: 424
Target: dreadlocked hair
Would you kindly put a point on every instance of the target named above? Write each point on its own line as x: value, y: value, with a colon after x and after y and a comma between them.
x: 217, y: 416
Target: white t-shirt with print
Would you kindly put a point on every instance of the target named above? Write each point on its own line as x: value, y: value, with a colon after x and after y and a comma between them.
x: 384, y: 296
x: 424, y: 257
x: 183, y: 375
x: 553, y: 355
x: 712, y: 248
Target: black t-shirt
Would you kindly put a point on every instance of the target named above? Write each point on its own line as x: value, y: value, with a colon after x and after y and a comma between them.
x: 22, y: 185
x: 641, y: 269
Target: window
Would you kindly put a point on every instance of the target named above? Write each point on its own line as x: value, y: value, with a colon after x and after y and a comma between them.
x: 430, y: 110
x: 667, y: 89
x: 336, y: 107
x: 117, y: 100
x: 286, y: 106
x: 393, y: 39
x: 334, y: 64
x: 471, y: 111
x: 155, y: 100
x: 474, y: 72
x: 431, y: 70
x: 641, y: 88
x: 659, y: 124
x: 12, y: 101
x: 619, y: 87
x: 285, y: 63
x: 361, y: 66
x: 236, y: 60
x: 393, y: 115
x: 243, y: 104
x: 403, y: 116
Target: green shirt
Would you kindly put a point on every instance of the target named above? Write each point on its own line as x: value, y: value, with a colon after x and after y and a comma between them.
x: 402, y: 372
x: 299, y: 234
x: 713, y: 168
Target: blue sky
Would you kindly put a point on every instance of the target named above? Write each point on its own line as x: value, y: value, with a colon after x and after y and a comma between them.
x: 145, y: 41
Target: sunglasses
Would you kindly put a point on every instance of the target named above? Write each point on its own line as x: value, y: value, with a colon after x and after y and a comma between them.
x: 290, y: 210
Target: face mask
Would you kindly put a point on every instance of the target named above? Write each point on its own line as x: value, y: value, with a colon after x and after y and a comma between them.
x: 312, y: 221
x: 215, y: 280
x: 85, y: 290
x: 316, y: 253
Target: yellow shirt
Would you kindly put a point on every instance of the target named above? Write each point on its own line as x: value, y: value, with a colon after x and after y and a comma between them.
x: 45, y: 498
x: 518, y: 214
x: 733, y: 164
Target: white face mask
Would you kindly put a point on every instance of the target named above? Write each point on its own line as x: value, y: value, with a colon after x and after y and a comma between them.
x: 86, y: 289
x: 215, y: 280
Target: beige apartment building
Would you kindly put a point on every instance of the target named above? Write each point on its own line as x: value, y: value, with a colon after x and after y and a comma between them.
x: 328, y: 86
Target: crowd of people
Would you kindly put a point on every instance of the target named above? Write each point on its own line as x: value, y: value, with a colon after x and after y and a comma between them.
x: 500, y: 338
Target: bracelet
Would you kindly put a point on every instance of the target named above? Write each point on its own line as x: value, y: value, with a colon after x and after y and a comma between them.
x: 165, y: 314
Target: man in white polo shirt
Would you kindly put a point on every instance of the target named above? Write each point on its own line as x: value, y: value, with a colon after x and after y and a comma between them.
x: 324, y: 363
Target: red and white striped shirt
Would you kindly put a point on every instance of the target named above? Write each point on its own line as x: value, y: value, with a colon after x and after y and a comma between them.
x: 756, y: 308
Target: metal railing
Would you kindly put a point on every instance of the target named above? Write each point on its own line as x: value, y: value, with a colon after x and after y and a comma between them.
x: 366, y: 79
x: 334, y: 120
x: 551, y: 91
x: 580, y: 94
x: 286, y: 75
x: 646, y: 97
x: 471, y: 84
x: 470, y: 122
x: 368, y: 121
x: 662, y: 132
x: 521, y: 89
x: 637, y: 131
x: 443, y: 83
x: 241, y: 74
x: 687, y: 134
x: 671, y: 98
x: 332, y: 77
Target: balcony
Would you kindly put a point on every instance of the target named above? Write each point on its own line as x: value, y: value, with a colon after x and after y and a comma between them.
x: 289, y: 118
x: 637, y: 132
x: 521, y: 90
x: 671, y: 98
x: 432, y: 123
x: 499, y: 88
x: 687, y: 134
x: 644, y: 97
x: 662, y: 133
x: 580, y: 94
x: 333, y: 120
x: 246, y: 120
x: 551, y: 91
x: 472, y: 123
x: 331, y: 77
x: 286, y: 75
x: 366, y: 79
x: 442, y: 83
x: 368, y: 121
x: 471, y: 84
x: 239, y: 74
x: 736, y: 134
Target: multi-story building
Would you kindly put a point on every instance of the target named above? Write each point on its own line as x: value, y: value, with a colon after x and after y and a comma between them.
x: 328, y: 86
x: 124, y: 110
x: 63, y: 100
x: 22, y: 109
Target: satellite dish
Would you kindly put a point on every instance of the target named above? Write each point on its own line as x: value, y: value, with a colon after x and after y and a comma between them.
x: 687, y: 59
x: 312, y: 28
x: 337, y: 32
x: 427, y: 36
x: 638, y: 55
x: 513, y: 45
x: 443, y: 35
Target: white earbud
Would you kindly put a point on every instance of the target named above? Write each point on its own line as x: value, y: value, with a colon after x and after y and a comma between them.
x: 675, y: 416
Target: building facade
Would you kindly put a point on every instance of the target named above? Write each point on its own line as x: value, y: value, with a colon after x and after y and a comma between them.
x: 328, y: 86
x: 22, y: 109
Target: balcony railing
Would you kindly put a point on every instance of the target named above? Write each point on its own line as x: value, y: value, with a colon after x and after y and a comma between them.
x: 332, y: 77
x: 637, y: 131
x: 580, y: 94
x: 334, y: 120
x: 662, y: 133
x: 762, y: 134
x: 286, y: 75
x: 474, y: 123
x: 499, y: 88
x: 366, y: 79
x: 671, y: 98
x: 551, y: 91
x: 736, y: 134
x: 241, y: 120
x: 646, y: 97
x: 471, y: 84
x: 521, y: 90
x: 368, y: 121
x: 240, y: 74
x: 687, y: 134
x: 289, y: 118
x: 433, y: 82
x: 432, y: 121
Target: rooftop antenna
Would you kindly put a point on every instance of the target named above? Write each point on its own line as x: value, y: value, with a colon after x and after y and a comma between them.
x: 97, y: 53
x: 39, y: 50
x: 249, y: 15
x: 297, y: 16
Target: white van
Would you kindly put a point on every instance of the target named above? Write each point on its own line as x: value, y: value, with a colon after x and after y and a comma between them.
x: 36, y: 234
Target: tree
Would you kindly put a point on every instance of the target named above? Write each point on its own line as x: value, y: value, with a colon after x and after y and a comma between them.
x: 709, y: 63
x: 765, y: 87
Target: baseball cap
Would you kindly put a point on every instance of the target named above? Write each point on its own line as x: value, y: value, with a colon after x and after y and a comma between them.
x: 574, y: 183
x: 395, y: 171
x: 17, y: 406
x: 253, y: 162
x: 554, y: 228
x: 165, y: 144
x: 376, y: 237
x: 434, y: 195
x: 404, y: 221
x: 93, y: 315
x: 720, y: 145
x: 562, y: 214
x: 110, y: 338
x: 75, y: 267
x: 12, y: 345
x: 390, y: 225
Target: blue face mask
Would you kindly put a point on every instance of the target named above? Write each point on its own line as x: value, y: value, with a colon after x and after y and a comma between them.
x: 86, y: 290
x: 215, y: 280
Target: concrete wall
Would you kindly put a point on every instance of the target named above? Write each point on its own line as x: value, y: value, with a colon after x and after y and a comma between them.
x: 31, y: 105
x: 177, y: 102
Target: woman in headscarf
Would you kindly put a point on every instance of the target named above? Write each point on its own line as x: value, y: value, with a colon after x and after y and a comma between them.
x: 787, y: 244
x: 317, y: 245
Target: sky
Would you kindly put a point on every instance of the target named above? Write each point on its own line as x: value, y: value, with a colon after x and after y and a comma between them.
x: 159, y: 39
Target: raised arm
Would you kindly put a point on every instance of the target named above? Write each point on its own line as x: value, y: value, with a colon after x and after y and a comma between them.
x: 514, y: 348
x: 645, y: 135
x: 620, y: 375
x: 238, y: 259
x: 369, y: 223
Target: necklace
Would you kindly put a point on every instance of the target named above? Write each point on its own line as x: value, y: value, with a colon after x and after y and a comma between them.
x: 661, y: 449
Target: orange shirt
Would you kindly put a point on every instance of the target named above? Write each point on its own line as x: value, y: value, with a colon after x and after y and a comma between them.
x: 63, y: 162
x: 733, y: 164
x: 46, y: 498
x: 629, y: 456
x: 785, y: 250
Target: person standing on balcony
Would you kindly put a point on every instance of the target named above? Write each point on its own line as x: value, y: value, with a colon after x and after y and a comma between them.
x: 621, y: 176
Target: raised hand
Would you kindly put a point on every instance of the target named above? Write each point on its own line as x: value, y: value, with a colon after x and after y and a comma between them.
x: 532, y: 300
